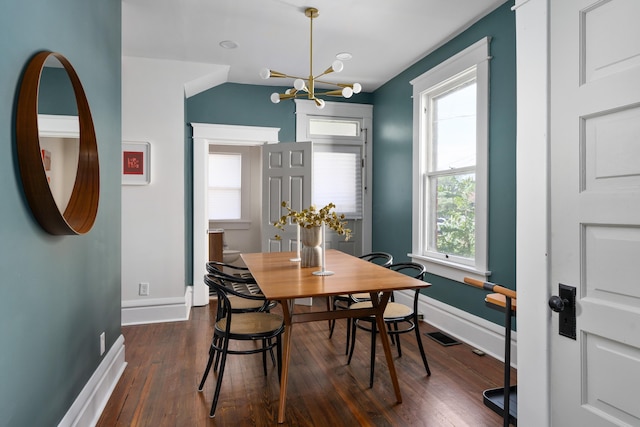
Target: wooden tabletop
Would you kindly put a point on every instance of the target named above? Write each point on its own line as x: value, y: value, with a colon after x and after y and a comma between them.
x: 279, y: 278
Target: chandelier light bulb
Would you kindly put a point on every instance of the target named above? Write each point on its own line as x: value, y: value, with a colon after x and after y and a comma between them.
x: 319, y: 103
x: 265, y: 73
x: 347, y: 92
x: 298, y: 84
x: 357, y: 88
x: 275, y: 97
x: 337, y: 66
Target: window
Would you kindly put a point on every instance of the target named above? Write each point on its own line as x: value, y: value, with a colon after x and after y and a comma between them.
x: 337, y: 178
x: 334, y: 127
x: 229, y: 186
x: 450, y: 165
x: 225, y: 186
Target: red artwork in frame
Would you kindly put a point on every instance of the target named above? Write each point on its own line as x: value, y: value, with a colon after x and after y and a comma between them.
x: 132, y: 162
x: 136, y: 163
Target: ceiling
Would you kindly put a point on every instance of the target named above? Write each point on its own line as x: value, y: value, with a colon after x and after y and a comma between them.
x: 384, y: 36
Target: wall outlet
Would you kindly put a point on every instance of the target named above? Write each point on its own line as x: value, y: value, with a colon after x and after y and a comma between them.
x: 143, y: 289
x: 103, y: 343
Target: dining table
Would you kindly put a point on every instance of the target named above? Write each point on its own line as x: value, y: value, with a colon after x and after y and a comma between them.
x: 282, y: 279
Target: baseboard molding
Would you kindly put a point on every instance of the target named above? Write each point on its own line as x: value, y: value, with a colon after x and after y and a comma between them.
x: 473, y: 330
x: 93, y: 398
x: 157, y: 310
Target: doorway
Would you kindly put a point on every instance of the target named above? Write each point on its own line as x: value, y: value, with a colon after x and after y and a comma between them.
x: 342, y: 146
x: 205, y: 135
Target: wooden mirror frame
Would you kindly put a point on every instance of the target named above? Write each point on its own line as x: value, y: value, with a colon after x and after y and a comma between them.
x: 80, y: 214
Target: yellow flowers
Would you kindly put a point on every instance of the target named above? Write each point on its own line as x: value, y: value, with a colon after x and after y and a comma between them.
x: 311, y: 217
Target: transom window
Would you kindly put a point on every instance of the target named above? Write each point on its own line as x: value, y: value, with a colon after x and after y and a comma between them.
x: 333, y: 127
x: 450, y: 165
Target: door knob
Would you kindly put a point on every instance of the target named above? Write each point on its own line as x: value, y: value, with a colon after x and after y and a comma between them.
x: 558, y: 304
x: 565, y: 304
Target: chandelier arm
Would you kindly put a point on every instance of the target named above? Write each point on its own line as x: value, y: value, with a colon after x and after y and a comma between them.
x: 320, y: 75
x: 332, y: 83
x: 285, y: 96
x: 285, y: 76
x: 336, y: 92
x: 311, y: 13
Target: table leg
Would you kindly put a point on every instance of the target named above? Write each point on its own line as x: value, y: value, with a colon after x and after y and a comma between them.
x: 287, y: 311
x: 380, y: 305
x: 330, y: 308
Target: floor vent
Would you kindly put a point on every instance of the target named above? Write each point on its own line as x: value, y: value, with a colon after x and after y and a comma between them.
x: 441, y: 338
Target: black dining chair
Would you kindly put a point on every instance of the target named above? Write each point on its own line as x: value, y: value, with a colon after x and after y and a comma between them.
x: 239, y: 326
x: 234, y: 270
x: 343, y: 301
x: 395, y: 314
x: 215, y: 267
x: 246, y: 286
x: 242, y: 304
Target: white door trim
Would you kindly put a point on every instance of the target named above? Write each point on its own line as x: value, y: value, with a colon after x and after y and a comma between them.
x: 203, y: 136
x: 532, y: 242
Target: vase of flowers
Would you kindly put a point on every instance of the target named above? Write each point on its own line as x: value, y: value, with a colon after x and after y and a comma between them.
x: 311, y: 252
x: 310, y: 221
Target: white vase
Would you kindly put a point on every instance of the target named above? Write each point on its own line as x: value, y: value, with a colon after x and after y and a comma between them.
x: 311, y: 253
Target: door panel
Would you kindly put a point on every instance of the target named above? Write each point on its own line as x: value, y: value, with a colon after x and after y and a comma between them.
x: 595, y: 200
x: 611, y: 153
x: 607, y: 393
x: 287, y: 172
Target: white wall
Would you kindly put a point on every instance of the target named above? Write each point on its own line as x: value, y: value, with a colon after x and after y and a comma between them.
x: 153, y: 216
x: 62, y: 173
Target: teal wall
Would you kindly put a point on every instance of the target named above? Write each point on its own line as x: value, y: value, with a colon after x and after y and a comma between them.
x: 55, y: 93
x: 57, y: 293
x: 392, y: 161
x: 250, y: 105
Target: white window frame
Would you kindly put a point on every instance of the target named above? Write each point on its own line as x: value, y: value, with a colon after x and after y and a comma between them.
x: 475, y: 56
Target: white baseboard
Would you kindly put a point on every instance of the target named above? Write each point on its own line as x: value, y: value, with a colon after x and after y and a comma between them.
x: 473, y: 330
x: 93, y: 398
x: 157, y: 310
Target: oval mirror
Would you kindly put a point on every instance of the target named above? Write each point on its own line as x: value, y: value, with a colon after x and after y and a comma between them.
x: 70, y: 205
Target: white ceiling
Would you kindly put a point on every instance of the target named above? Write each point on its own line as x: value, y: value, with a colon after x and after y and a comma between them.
x: 384, y: 36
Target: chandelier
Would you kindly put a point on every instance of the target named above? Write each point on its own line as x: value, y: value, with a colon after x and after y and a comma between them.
x: 302, y: 86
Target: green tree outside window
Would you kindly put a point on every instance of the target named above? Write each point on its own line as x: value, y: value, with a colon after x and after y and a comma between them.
x: 455, y: 215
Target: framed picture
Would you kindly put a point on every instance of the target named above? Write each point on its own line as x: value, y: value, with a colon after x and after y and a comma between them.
x: 135, y: 163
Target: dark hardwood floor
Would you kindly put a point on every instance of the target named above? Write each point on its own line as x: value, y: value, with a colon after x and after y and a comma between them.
x: 166, y: 361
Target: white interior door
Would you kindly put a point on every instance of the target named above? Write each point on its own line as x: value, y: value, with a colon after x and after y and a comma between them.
x: 595, y: 209
x: 286, y: 176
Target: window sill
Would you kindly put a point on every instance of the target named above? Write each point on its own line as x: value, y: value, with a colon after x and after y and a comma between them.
x: 450, y: 270
x: 231, y: 225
